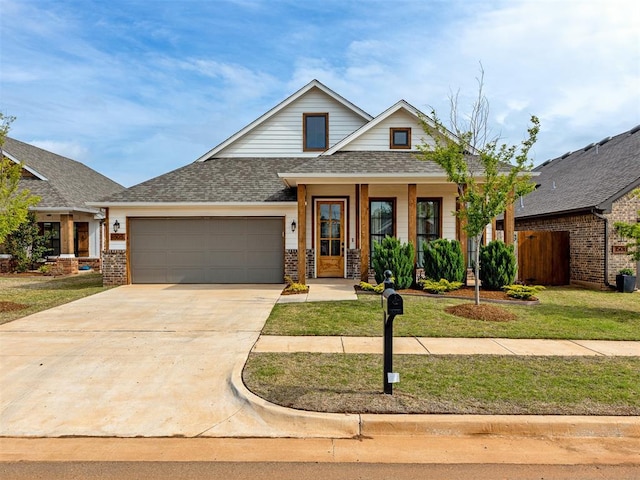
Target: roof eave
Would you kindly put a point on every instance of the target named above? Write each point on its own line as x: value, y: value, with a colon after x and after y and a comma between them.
x: 190, y: 204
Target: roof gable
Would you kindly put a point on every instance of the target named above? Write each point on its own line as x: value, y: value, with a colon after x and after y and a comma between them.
x: 310, y: 88
x: 590, y: 178
x: 60, y: 182
x: 374, y: 136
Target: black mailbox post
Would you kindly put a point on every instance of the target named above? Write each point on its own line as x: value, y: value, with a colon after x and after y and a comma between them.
x: 392, y: 305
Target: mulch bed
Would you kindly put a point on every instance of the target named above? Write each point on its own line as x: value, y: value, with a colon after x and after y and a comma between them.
x: 485, y: 312
x: 466, y: 292
x: 11, y: 306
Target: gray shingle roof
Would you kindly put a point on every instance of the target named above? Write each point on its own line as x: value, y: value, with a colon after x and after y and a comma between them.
x: 585, y: 179
x: 217, y: 180
x: 255, y: 179
x: 372, y: 162
x: 69, y: 184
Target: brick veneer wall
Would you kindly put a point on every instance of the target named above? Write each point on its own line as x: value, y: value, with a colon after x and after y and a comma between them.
x: 114, y: 267
x: 66, y: 265
x: 586, y: 244
x: 93, y: 263
x: 587, y: 241
x: 353, y: 263
x: 291, y: 264
x: 311, y: 263
x: 624, y: 210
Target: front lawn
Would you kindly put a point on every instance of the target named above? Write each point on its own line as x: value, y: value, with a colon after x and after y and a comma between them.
x: 456, y: 384
x: 23, y: 295
x: 563, y: 313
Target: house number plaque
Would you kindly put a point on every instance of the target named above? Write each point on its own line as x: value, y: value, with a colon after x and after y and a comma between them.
x: 619, y: 249
x: 117, y: 237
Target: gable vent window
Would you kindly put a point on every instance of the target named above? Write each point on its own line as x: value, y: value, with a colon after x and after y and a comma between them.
x: 316, y: 132
x: 400, y: 138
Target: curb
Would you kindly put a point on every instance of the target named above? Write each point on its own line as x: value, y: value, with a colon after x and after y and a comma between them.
x: 300, y: 423
x: 294, y: 423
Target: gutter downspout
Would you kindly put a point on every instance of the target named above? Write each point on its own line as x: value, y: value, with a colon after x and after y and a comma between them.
x: 606, y: 246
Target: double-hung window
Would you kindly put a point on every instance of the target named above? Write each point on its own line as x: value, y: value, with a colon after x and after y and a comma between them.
x: 428, y: 224
x: 315, y: 137
x: 381, y: 221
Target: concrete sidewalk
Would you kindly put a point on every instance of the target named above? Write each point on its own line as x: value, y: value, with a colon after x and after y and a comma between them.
x: 447, y: 346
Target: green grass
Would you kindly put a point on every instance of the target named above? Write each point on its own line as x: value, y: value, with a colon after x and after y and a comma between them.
x: 39, y: 293
x: 476, y: 384
x: 563, y: 313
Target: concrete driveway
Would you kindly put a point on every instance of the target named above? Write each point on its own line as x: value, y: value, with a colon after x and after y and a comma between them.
x: 138, y: 360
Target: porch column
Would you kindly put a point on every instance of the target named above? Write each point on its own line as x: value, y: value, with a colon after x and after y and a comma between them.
x: 302, y: 234
x: 509, y: 225
x: 66, y: 236
x: 494, y: 232
x: 413, y: 214
x: 364, y: 232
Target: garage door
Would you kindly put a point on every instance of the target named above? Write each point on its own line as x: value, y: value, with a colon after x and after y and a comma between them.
x: 206, y: 250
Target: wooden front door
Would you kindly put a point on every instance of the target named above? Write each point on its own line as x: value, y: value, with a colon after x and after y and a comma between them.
x: 81, y: 239
x: 330, y: 241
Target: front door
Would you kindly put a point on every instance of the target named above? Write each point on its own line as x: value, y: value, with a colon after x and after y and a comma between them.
x: 81, y: 239
x: 330, y: 241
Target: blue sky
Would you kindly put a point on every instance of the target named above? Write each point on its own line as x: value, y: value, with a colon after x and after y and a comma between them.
x: 135, y: 89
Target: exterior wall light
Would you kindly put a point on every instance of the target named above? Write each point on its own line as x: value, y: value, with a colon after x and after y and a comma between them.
x: 293, y: 226
x: 116, y: 226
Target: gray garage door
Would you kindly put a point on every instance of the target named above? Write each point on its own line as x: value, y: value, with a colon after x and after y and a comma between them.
x: 206, y: 250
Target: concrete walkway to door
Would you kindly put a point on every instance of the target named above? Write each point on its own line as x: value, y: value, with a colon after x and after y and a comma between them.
x: 140, y: 360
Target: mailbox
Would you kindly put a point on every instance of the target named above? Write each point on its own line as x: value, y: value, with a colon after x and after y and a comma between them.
x: 394, y: 302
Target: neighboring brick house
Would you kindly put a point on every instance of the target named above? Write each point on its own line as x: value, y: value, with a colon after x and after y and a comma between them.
x: 64, y: 187
x: 584, y: 193
x: 305, y: 190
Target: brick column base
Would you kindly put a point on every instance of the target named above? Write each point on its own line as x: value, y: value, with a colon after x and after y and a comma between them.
x: 66, y: 265
x: 114, y: 267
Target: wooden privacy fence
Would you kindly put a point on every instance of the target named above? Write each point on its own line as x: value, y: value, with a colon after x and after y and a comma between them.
x: 543, y: 258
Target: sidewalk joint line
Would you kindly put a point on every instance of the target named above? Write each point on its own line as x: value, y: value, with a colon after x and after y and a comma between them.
x: 495, y: 340
x: 422, y: 345
x: 602, y: 354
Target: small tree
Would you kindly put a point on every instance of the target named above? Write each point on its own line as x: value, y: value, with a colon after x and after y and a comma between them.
x: 632, y: 232
x: 14, y: 202
x: 489, y: 177
x: 26, y: 244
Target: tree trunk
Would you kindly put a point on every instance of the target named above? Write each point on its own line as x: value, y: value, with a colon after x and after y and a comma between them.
x: 476, y: 268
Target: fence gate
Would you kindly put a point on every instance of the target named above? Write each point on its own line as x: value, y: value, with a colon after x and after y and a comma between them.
x: 543, y: 258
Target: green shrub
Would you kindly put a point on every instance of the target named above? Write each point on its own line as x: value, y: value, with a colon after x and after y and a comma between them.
x: 498, y: 265
x: 626, y: 271
x: 294, y: 287
x: 522, y: 292
x: 26, y: 244
x: 439, y: 287
x: 390, y: 254
x: 367, y: 287
x: 443, y: 259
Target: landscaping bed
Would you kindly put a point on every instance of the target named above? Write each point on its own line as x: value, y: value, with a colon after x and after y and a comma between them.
x: 563, y: 313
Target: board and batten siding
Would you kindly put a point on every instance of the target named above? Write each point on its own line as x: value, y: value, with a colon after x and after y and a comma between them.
x: 377, y: 138
x: 281, y: 135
